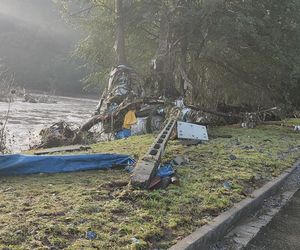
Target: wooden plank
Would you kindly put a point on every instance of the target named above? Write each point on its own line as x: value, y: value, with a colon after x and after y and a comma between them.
x: 71, y: 148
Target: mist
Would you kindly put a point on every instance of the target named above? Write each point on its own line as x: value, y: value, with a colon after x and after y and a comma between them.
x: 35, y: 44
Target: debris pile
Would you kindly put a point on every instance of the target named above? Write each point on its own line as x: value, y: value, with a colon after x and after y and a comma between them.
x: 58, y: 134
x: 123, y: 106
x: 38, y: 99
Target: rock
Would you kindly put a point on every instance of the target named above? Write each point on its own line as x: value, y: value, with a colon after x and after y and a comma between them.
x: 179, y: 160
x: 227, y: 185
x: 232, y: 157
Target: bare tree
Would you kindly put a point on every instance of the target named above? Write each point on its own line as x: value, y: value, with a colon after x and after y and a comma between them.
x: 7, y: 80
x: 120, y: 33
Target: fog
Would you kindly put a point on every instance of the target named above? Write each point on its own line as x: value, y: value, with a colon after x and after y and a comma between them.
x: 36, y: 43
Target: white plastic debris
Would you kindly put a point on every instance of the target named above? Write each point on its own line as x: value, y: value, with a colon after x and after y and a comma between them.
x: 297, y: 128
x: 179, y: 102
x: 191, y: 131
x: 140, y: 127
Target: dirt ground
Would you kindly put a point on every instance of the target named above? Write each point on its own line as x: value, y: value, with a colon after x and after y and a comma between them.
x: 283, y: 233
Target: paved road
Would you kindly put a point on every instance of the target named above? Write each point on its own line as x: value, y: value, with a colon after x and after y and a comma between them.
x: 283, y: 232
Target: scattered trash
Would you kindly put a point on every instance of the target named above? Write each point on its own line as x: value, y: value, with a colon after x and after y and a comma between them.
x: 91, y: 235
x: 185, y: 114
x: 232, y: 157
x: 165, y: 171
x: 125, y: 133
x: 191, y: 131
x: 179, y: 102
x: 250, y: 120
x: 129, y: 119
x: 179, y: 160
x: 297, y: 128
x: 129, y: 169
x: 140, y: 127
x: 155, y: 182
x: 58, y: 134
x: 227, y: 185
x: 135, y: 240
x: 165, y: 182
x: 123, y: 81
x: 175, y: 181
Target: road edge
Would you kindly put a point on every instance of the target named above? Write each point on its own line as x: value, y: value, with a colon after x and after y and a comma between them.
x: 204, y: 236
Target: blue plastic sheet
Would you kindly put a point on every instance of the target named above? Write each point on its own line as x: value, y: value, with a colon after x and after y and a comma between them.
x: 165, y: 171
x: 125, y: 133
x: 26, y: 164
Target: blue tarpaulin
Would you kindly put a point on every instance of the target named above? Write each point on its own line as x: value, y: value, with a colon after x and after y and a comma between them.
x: 165, y: 171
x: 18, y: 164
x: 125, y: 133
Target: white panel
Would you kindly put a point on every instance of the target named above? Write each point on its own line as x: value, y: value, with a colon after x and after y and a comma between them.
x: 191, y: 131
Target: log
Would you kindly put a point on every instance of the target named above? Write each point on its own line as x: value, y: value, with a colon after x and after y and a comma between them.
x: 101, y: 118
x: 226, y: 115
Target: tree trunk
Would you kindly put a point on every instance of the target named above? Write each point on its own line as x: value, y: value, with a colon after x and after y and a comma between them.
x: 120, y: 33
x: 164, y: 62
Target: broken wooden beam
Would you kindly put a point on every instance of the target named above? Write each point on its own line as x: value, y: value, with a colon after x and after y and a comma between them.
x: 147, y: 166
x: 62, y: 149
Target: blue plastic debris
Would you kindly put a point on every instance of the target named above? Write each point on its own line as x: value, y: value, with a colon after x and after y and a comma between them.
x: 129, y: 169
x: 91, y: 235
x: 165, y: 171
x: 125, y: 133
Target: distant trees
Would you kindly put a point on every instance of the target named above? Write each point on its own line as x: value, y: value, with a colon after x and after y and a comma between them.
x: 209, y: 51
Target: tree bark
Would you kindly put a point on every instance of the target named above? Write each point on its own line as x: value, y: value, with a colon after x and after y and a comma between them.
x: 120, y: 33
x: 164, y: 62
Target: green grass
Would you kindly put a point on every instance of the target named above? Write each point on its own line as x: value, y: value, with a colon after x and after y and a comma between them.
x: 44, y: 211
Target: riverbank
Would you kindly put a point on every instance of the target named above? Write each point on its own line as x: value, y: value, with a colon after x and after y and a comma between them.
x: 64, y: 210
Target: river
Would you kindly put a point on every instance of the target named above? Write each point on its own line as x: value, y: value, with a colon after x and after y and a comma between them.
x: 25, y: 120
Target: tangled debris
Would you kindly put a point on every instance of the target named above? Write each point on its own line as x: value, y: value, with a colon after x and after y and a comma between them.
x: 58, y: 134
x: 38, y: 99
x: 125, y: 94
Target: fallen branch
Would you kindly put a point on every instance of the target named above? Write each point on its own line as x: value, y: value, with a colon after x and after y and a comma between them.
x: 226, y: 115
x: 122, y: 108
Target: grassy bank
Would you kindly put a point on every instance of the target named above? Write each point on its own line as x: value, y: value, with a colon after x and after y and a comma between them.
x: 44, y: 211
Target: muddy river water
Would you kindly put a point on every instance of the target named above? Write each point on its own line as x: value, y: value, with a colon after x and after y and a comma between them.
x: 27, y: 119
